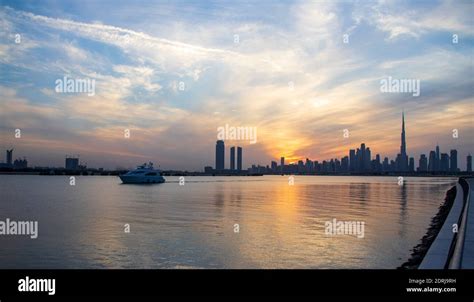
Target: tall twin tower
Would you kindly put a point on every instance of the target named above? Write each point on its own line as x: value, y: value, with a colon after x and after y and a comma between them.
x: 220, y: 155
x: 403, y: 157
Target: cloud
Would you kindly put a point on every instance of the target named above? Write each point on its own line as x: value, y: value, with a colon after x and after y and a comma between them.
x: 400, y: 21
x: 336, y: 86
x: 139, y: 76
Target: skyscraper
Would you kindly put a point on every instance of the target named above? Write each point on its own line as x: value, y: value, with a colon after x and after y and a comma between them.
x: 239, y: 158
x: 423, y: 163
x: 403, y: 163
x: 361, y: 157
x: 437, y: 159
x: 444, y: 163
x: 309, y: 165
x: 453, y: 160
x: 232, y: 158
x: 282, y: 164
x: 367, y: 159
x: 352, y: 160
x: 432, y: 162
x: 345, y: 164
x: 220, y: 153
x: 301, y: 168
x: 411, y: 165
x: 20, y: 163
x: 385, y: 165
x: 469, y: 163
x: 377, y: 166
x: 71, y: 163
x: 10, y: 157
x: 274, y: 166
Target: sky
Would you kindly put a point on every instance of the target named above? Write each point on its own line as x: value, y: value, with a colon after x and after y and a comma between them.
x: 172, y: 73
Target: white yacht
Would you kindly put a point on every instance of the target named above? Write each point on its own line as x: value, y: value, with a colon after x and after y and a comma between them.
x: 143, y: 174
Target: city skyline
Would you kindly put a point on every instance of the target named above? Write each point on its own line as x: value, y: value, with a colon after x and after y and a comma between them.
x: 359, y: 160
x: 301, y: 73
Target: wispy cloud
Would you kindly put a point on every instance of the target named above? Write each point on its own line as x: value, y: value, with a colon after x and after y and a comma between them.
x: 291, y: 76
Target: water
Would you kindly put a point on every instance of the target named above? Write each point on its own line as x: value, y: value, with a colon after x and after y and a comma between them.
x: 192, y: 226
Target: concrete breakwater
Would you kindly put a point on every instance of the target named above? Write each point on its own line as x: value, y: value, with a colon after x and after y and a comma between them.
x: 420, y: 250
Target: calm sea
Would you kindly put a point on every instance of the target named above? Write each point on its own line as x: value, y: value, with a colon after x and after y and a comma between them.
x: 195, y: 225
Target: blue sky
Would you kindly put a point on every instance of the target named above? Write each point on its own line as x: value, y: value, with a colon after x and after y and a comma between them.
x: 138, y: 52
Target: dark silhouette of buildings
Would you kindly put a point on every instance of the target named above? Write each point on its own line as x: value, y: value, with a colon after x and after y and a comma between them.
x: 20, y: 163
x: 10, y: 164
x: 432, y: 164
x: 444, y: 162
x: 469, y: 163
x: 453, y: 160
x: 220, y: 163
x: 220, y: 153
x: 232, y: 158
x: 437, y: 159
x: 411, y: 165
x: 9, y: 158
x: 360, y: 160
x: 403, y: 159
x: 352, y: 160
x: 423, y: 163
x: 72, y: 163
x: 274, y: 166
x: 239, y: 158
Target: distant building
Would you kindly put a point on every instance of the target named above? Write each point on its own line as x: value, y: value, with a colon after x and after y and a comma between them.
x: 393, y: 165
x: 403, y: 159
x: 444, y: 163
x: 411, y: 165
x: 20, y: 163
x: 208, y: 170
x: 367, y: 160
x: 437, y: 163
x: 239, y: 158
x: 345, y: 164
x: 274, y: 166
x: 352, y: 160
x: 377, y: 164
x: 398, y: 162
x: 432, y: 162
x: 232, y: 158
x: 361, y: 157
x: 220, y: 153
x: 282, y: 164
x: 72, y: 163
x: 423, y: 163
x: 300, y: 166
x: 337, y: 165
x: 385, y: 165
x: 309, y: 165
x: 469, y: 163
x: 453, y: 160
x: 9, y: 158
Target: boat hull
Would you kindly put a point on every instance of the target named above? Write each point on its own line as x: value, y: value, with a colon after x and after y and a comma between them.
x: 129, y: 179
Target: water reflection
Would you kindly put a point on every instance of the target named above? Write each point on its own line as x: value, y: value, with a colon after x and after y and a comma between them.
x: 403, y: 208
x: 281, y: 226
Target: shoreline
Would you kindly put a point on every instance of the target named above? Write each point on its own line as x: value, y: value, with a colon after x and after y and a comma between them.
x: 420, y: 250
x: 168, y: 173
